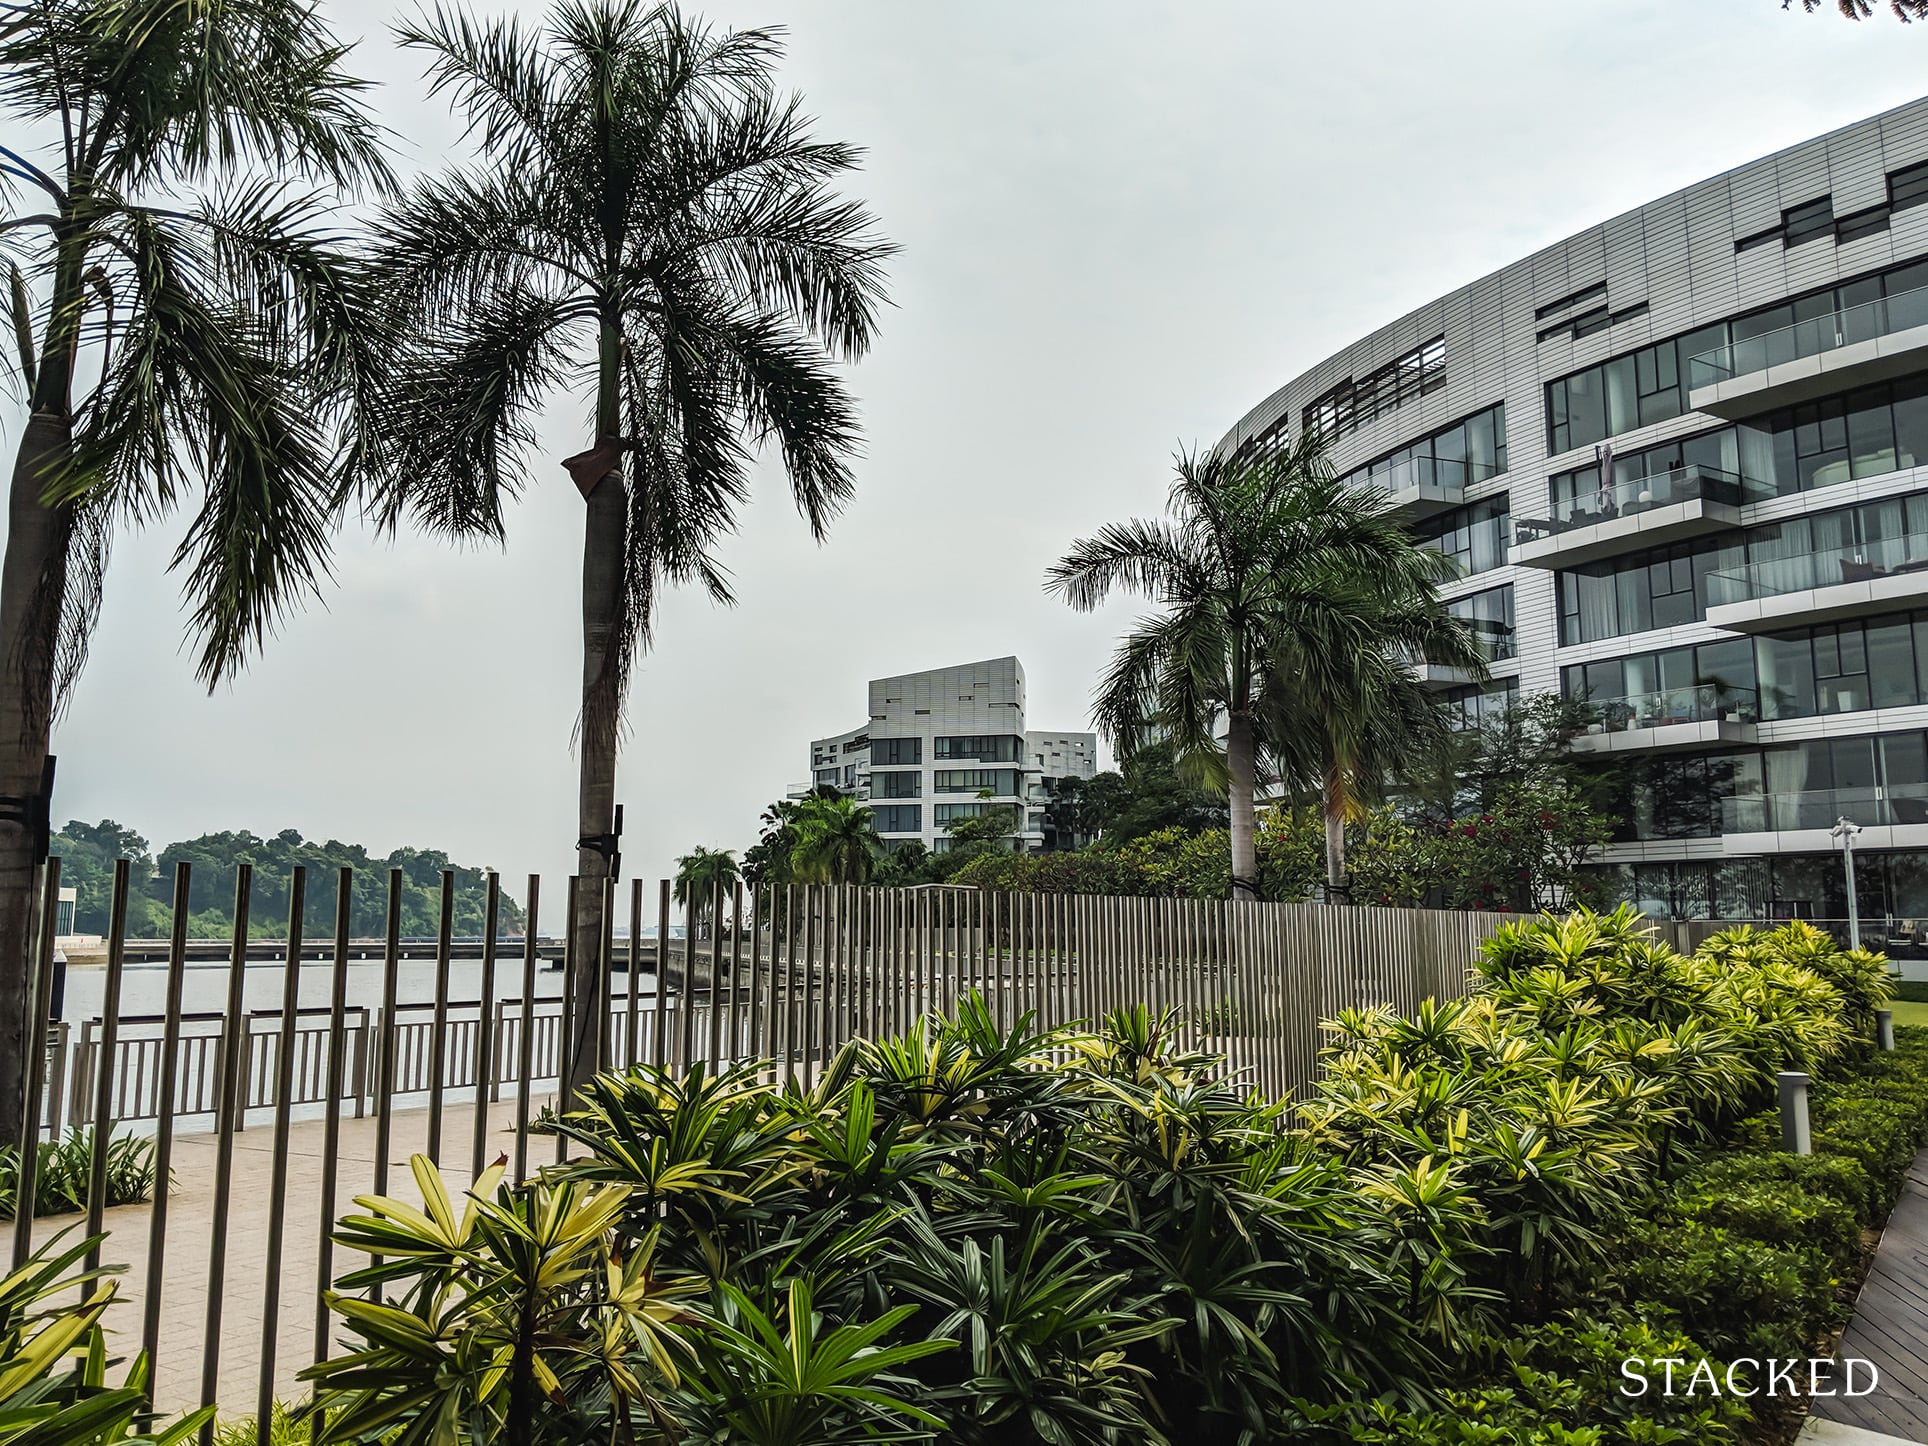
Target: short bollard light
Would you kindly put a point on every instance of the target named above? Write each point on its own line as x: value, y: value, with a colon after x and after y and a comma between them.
x: 1794, y: 1112
x: 1884, y: 1028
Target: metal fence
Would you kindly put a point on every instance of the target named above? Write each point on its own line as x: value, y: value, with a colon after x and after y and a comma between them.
x: 785, y: 975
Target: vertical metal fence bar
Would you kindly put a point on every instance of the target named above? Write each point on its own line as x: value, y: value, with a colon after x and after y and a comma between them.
x: 735, y: 1033
x: 233, y: 1057
x: 485, y: 1049
x: 438, y: 1037
x: 658, y: 989
x: 40, y: 1024
x: 331, y: 1116
x: 754, y: 1027
x: 526, y: 1038
x: 284, y: 1090
x: 388, y: 1037
x: 686, y: 993
x: 632, y: 1048
x: 781, y: 912
x: 109, y: 1038
x: 605, y: 1054
x: 713, y: 1052
x: 812, y: 896
x: 792, y: 1022
x: 163, y: 1124
x: 566, y: 1044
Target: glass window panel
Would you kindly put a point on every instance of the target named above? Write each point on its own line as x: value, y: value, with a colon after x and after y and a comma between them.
x: 1911, y: 422
x: 1904, y: 761
x: 1853, y: 762
x: 1586, y: 409
x: 1622, y: 396
x: 1786, y: 676
x: 1482, y: 451
x: 1891, y: 663
x: 1871, y: 432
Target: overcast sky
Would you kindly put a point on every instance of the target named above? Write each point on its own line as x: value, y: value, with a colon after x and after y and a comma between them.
x: 1123, y: 225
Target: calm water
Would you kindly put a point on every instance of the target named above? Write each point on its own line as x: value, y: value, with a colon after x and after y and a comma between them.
x: 144, y: 986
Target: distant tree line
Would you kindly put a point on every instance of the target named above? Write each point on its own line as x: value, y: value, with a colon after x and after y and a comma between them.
x: 87, y: 853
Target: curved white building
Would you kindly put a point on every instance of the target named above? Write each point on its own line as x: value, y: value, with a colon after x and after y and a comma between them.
x: 1744, y: 591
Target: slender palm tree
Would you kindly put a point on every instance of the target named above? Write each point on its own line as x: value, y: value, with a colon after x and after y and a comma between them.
x: 653, y: 226
x: 1260, y: 558
x: 699, y: 874
x: 185, y: 333
x: 836, y: 842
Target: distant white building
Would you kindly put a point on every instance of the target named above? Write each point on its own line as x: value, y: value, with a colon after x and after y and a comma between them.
x: 936, y: 741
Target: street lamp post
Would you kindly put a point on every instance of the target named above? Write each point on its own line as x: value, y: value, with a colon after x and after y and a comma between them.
x: 1845, y: 831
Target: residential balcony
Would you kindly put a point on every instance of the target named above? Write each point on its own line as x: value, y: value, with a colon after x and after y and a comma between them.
x: 1870, y: 342
x: 1638, y: 513
x: 1705, y: 716
x: 1425, y: 485
x: 1893, y: 816
x: 1855, y: 580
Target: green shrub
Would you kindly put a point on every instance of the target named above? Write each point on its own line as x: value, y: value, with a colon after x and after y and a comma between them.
x: 67, y: 1165
x: 1735, y: 1294
x: 1751, y: 1196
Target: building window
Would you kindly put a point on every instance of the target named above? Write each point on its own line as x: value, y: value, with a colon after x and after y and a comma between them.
x: 1476, y: 703
x: 943, y: 813
x: 1001, y: 781
x: 897, y: 785
x: 1659, y: 588
x: 1714, y: 681
x: 1352, y: 404
x: 824, y: 777
x: 1469, y: 451
x: 896, y: 751
x: 1475, y: 537
x: 1491, y: 615
x: 1908, y: 186
x: 899, y: 817
x: 987, y: 748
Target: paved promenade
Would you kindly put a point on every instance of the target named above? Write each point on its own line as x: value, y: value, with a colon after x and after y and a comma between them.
x: 184, y: 1294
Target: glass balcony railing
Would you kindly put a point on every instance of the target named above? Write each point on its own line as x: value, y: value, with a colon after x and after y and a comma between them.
x: 1852, y: 562
x: 1642, y: 494
x: 1863, y: 322
x: 1409, y: 472
x: 1895, y: 803
x: 1703, y: 703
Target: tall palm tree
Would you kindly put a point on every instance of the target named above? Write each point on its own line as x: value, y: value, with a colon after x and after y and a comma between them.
x: 836, y: 842
x: 699, y: 873
x: 185, y: 333
x: 653, y: 226
x: 1261, y: 560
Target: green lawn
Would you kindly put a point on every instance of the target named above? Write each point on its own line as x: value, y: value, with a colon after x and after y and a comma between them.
x: 1910, y: 1012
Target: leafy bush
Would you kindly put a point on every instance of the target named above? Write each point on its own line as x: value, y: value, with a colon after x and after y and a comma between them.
x: 972, y: 1235
x: 66, y: 1166
x: 54, y: 1361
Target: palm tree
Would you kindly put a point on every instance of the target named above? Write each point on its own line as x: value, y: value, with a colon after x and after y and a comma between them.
x: 1362, y: 712
x: 1263, y: 562
x: 836, y: 842
x: 699, y: 874
x: 652, y: 225
x: 184, y: 332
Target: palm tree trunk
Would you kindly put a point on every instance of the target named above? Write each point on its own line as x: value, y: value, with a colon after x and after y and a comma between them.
x: 1242, y: 772
x: 33, y: 583
x: 604, y: 548
x: 1335, y: 841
